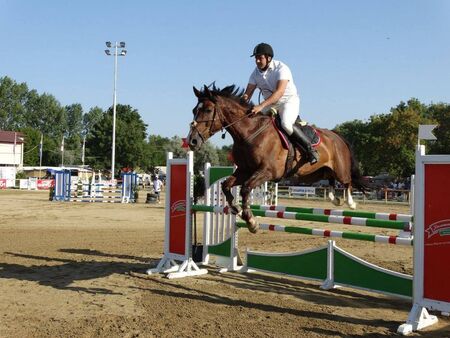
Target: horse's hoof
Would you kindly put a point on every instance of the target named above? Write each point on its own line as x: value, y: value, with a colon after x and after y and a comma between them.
x: 336, y: 201
x: 253, y: 226
x: 352, y: 206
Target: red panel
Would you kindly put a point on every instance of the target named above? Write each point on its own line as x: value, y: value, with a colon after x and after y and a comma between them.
x: 177, y: 232
x: 437, y: 232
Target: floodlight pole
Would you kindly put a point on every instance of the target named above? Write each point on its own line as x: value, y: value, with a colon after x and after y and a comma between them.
x: 116, y: 54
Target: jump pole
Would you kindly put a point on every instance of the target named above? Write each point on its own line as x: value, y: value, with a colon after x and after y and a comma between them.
x: 177, y: 259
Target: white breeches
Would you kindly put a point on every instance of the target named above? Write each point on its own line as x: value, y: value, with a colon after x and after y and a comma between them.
x: 288, y: 112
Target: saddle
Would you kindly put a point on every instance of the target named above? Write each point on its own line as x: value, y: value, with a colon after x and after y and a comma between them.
x: 310, y: 132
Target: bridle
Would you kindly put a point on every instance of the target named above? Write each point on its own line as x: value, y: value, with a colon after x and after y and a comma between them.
x: 194, y: 123
x: 218, y: 112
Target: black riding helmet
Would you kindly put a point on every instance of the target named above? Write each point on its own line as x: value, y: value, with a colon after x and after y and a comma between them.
x: 263, y: 49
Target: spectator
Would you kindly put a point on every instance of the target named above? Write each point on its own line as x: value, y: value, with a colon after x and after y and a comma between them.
x: 157, y: 185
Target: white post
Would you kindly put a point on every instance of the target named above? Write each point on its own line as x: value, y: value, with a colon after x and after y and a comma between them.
x: 113, y: 150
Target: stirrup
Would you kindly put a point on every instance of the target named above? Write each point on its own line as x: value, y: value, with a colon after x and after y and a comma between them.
x: 313, y: 156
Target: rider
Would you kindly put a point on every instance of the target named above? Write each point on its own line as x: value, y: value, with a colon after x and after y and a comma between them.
x: 274, y: 79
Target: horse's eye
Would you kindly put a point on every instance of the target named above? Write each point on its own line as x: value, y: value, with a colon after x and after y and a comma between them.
x: 208, y: 111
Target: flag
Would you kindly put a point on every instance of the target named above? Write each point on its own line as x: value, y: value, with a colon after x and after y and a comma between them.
x: 62, y: 144
x: 184, y: 143
x: 425, y: 131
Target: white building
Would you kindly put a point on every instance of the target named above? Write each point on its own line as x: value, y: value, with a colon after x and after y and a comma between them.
x: 11, y: 156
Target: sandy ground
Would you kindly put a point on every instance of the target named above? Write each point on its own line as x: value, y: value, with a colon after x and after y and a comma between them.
x: 78, y: 270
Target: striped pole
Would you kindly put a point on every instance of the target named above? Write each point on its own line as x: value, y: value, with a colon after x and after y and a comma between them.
x: 369, y: 222
x: 331, y: 233
x: 334, y: 212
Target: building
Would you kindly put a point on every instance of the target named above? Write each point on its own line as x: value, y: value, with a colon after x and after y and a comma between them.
x: 11, y: 155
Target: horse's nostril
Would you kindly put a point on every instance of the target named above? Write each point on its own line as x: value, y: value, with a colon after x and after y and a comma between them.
x: 193, y: 142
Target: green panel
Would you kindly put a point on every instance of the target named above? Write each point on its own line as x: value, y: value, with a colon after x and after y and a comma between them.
x: 309, y: 265
x: 222, y: 249
x: 216, y: 173
x: 201, y: 207
x: 350, y: 272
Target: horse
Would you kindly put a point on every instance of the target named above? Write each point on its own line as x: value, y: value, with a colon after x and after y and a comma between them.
x: 259, y: 154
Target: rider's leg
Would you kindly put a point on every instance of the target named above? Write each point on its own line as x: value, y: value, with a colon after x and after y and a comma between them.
x: 300, y: 137
x: 288, y: 113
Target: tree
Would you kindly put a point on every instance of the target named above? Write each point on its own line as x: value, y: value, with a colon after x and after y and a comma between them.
x: 440, y: 113
x: 154, y: 152
x: 223, y: 154
x: 31, y: 146
x: 130, y: 139
x: 45, y: 113
x: 387, y: 142
x: 13, y: 97
x: 73, y: 134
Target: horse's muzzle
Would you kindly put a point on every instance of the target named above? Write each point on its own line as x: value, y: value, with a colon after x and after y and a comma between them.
x: 194, y: 140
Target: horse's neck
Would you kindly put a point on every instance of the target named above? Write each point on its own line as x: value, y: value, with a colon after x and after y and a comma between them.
x: 239, y: 124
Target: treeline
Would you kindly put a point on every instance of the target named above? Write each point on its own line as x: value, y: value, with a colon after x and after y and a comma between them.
x: 387, y: 142
x: 34, y: 114
x: 384, y: 143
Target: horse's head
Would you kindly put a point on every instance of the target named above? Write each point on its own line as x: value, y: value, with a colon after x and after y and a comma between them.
x: 207, y: 118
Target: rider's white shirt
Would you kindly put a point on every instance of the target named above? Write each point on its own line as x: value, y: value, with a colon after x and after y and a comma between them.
x: 267, y: 81
x: 157, y: 184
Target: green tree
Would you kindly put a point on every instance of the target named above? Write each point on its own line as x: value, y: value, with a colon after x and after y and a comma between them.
x: 31, y: 146
x: 73, y: 134
x: 440, y: 113
x: 45, y: 113
x: 155, y: 152
x: 223, y: 154
x: 13, y: 97
x: 130, y: 139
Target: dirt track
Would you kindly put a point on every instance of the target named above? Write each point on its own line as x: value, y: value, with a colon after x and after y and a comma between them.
x: 77, y: 270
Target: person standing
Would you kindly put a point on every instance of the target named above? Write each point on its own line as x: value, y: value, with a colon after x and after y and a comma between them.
x: 274, y: 79
x: 157, y: 186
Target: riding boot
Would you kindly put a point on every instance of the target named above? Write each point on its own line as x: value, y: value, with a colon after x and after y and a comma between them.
x: 300, y: 138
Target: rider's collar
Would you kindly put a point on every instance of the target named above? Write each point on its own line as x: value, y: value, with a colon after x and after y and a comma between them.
x: 269, y: 66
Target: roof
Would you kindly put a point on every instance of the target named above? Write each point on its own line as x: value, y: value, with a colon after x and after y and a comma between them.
x: 8, y: 137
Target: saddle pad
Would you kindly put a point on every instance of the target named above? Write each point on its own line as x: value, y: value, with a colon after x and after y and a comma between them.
x: 311, y: 133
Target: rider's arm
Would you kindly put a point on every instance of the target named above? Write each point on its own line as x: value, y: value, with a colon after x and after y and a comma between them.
x: 276, y: 95
x: 249, y: 91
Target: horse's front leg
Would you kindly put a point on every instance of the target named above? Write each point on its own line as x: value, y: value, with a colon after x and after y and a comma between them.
x: 258, y: 178
x: 230, y: 182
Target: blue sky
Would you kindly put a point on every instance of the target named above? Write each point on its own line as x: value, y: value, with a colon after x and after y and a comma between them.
x: 349, y: 59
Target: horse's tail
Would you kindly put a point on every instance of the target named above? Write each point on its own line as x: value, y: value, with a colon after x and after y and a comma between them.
x: 357, y: 179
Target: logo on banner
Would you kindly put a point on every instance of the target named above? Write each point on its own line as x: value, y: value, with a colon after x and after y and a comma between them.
x: 441, y: 227
x: 178, y: 207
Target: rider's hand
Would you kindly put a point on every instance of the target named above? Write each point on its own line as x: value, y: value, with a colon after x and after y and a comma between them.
x: 256, y: 109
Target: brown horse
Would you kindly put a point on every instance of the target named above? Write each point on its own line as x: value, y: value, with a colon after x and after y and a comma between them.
x: 259, y: 154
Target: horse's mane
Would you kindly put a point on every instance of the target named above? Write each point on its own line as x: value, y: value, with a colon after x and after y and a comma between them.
x: 232, y: 92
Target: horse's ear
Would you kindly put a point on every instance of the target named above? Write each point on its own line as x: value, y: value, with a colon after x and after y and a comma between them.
x: 207, y: 92
x: 196, y: 91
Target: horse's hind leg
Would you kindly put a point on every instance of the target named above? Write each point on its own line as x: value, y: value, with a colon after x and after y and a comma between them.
x: 332, y: 193
x: 349, y: 198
